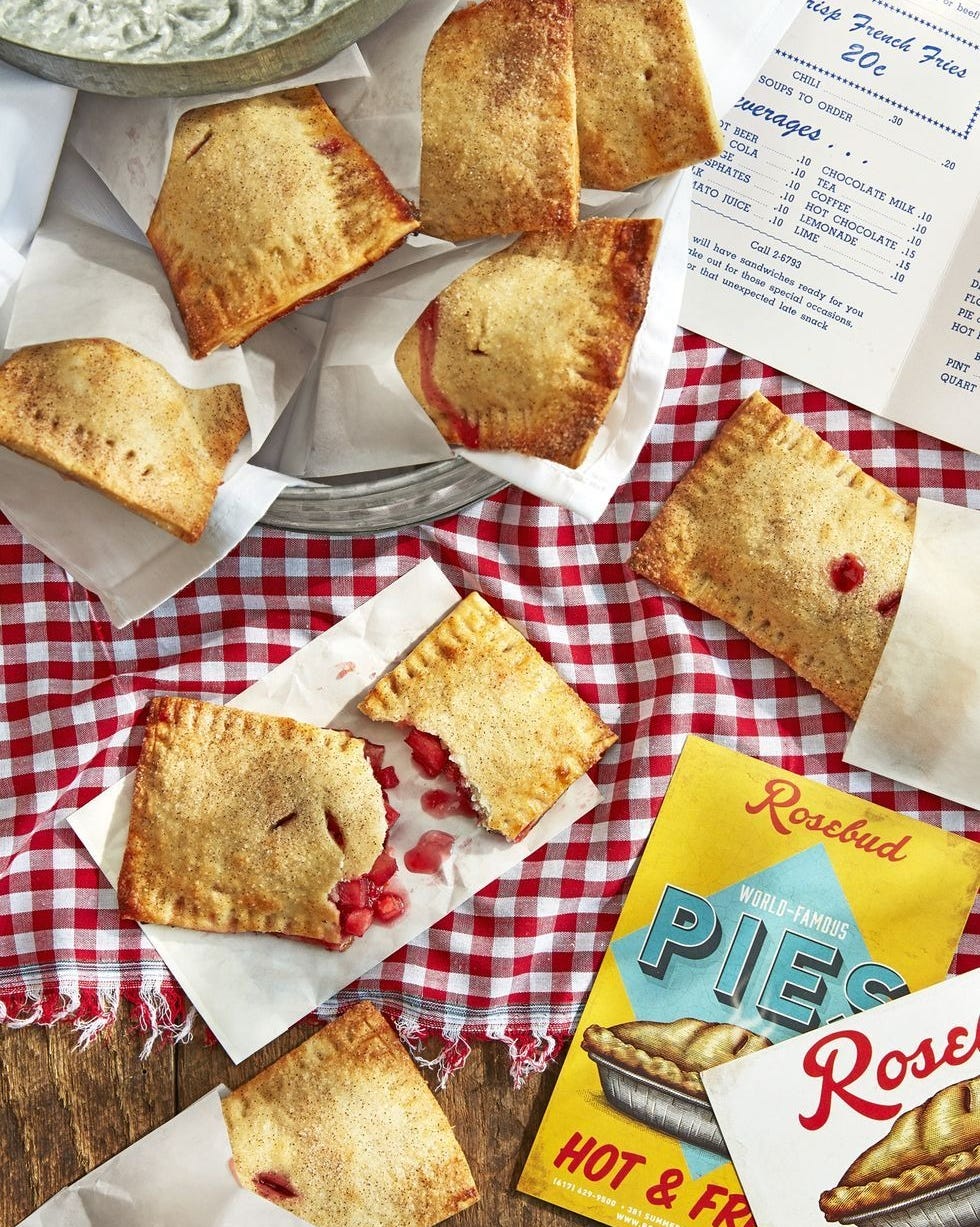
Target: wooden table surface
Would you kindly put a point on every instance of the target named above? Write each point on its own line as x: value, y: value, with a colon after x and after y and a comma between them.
x: 63, y: 1111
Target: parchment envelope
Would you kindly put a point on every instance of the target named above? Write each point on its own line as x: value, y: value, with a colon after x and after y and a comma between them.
x: 920, y: 722
x: 251, y: 987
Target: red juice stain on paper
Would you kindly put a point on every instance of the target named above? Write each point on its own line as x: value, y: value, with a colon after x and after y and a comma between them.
x: 847, y: 572
x: 347, y: 667
x: 429, y: 853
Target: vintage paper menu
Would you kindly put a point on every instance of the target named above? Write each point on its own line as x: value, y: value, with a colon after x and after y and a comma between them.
x: 886, y: 1108
x: 837, y: 235
x: 764, y: 906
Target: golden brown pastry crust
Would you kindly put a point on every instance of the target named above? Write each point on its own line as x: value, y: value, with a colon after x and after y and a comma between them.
x: 499, y: 145
x: 674, y: 1053
x: 518, y: 733
x: 242, y: 821
x: 349, y: 1122
x: 752, y: 532
x: 106, y: 416
x: 526, y: 350
x: 927, y: 1149
x: 267, y: 203
x: 644, y: 106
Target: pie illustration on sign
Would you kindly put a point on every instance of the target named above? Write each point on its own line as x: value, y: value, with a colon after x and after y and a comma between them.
x: 343, y: 1131
x: 112, y: 419
x: 498, y: 715
x: 499, y: 146
x: 267, y: 203
x: 925, y: 1169
x: 644, y: 105
x: 526, y: 350
x: 652, y: 1071
x: 789, y: 542
x: 242, y: 821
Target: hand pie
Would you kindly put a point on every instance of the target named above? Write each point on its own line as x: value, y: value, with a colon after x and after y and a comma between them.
x: 242, y: 821
x: 931, y: 1154
x: 644, y: 106
x: 267, y: 203
x: 517, y: 733
x: 527, y: 350
x: 675, y: 1053
x: 499, y: 150
x: 344, y: 1132
x: 652, y: 1072
x: 106, y: 416
x: 789, y: 542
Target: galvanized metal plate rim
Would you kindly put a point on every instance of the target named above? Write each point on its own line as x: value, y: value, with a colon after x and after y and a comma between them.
x: 377, y: 503
x: 296, y: 51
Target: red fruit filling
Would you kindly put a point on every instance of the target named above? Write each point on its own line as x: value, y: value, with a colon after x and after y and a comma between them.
x: 428, y: 753
x: 847, y: 572
x: 333, y: 145
x: 888, y: 605
x: 274, y: 1184
x: 429, y: 853
x: 388, y: 777
x: 383, y: 868
x: 375, y: 754
x: 356, y: 921
x: 388, y: 907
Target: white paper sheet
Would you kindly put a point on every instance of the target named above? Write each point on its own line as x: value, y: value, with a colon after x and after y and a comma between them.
x: 250, y: 988
x: 835, y: 237
x: 920, y: 722
x: 89, y: 274
x: 175, y: 1176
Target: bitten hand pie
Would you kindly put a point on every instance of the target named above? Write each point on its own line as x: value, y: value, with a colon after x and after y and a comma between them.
x: 499, y: 147
x: 267, y: 203
x: 931, y: 1153
x: 675, y: 1053
x: 526, y: 350
x: 242, y: 821
x: 644, y: 106
x: 344, y: 1132
x: 789, y: 542
x: 106, y: 416
x: 516, y: 732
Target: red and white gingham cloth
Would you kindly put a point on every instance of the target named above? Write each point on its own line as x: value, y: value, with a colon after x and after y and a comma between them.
x: 517, y: 962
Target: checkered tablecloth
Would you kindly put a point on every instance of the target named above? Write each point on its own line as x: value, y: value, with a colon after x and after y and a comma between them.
x: 517, y: 961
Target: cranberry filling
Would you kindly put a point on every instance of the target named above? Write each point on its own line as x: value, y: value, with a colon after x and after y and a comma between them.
x: 274, y: 1184
x: 888, y: 605
x: 429, y: 853
x: 428, y: 753
x: 847, y: 572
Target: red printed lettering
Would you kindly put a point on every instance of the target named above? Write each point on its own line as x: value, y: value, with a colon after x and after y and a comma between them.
x: 780, y: 804
x: 733, y: 1210
x: 597, y: 1163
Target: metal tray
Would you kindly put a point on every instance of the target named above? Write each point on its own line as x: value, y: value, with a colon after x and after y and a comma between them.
x: 375, y: 503
x: 294, y: 37
x: 953, y: 1205
x: 671, y: 1111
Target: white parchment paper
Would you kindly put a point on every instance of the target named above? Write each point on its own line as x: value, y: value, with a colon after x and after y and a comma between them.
x: 90, y: 273
x: 175, y: 1176
x: 250, y: 988
x: 920, y: 722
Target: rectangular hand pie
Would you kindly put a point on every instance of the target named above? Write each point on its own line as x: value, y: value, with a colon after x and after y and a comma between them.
x: 790, y: 543
x: 344, y: 1132
x: 527, y: 349
x: 516, y: 732
x: 644, y: 106
x: 267, y: 203
x: 242, y: 821
x: 104, y: 415
x: 499, y: 147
